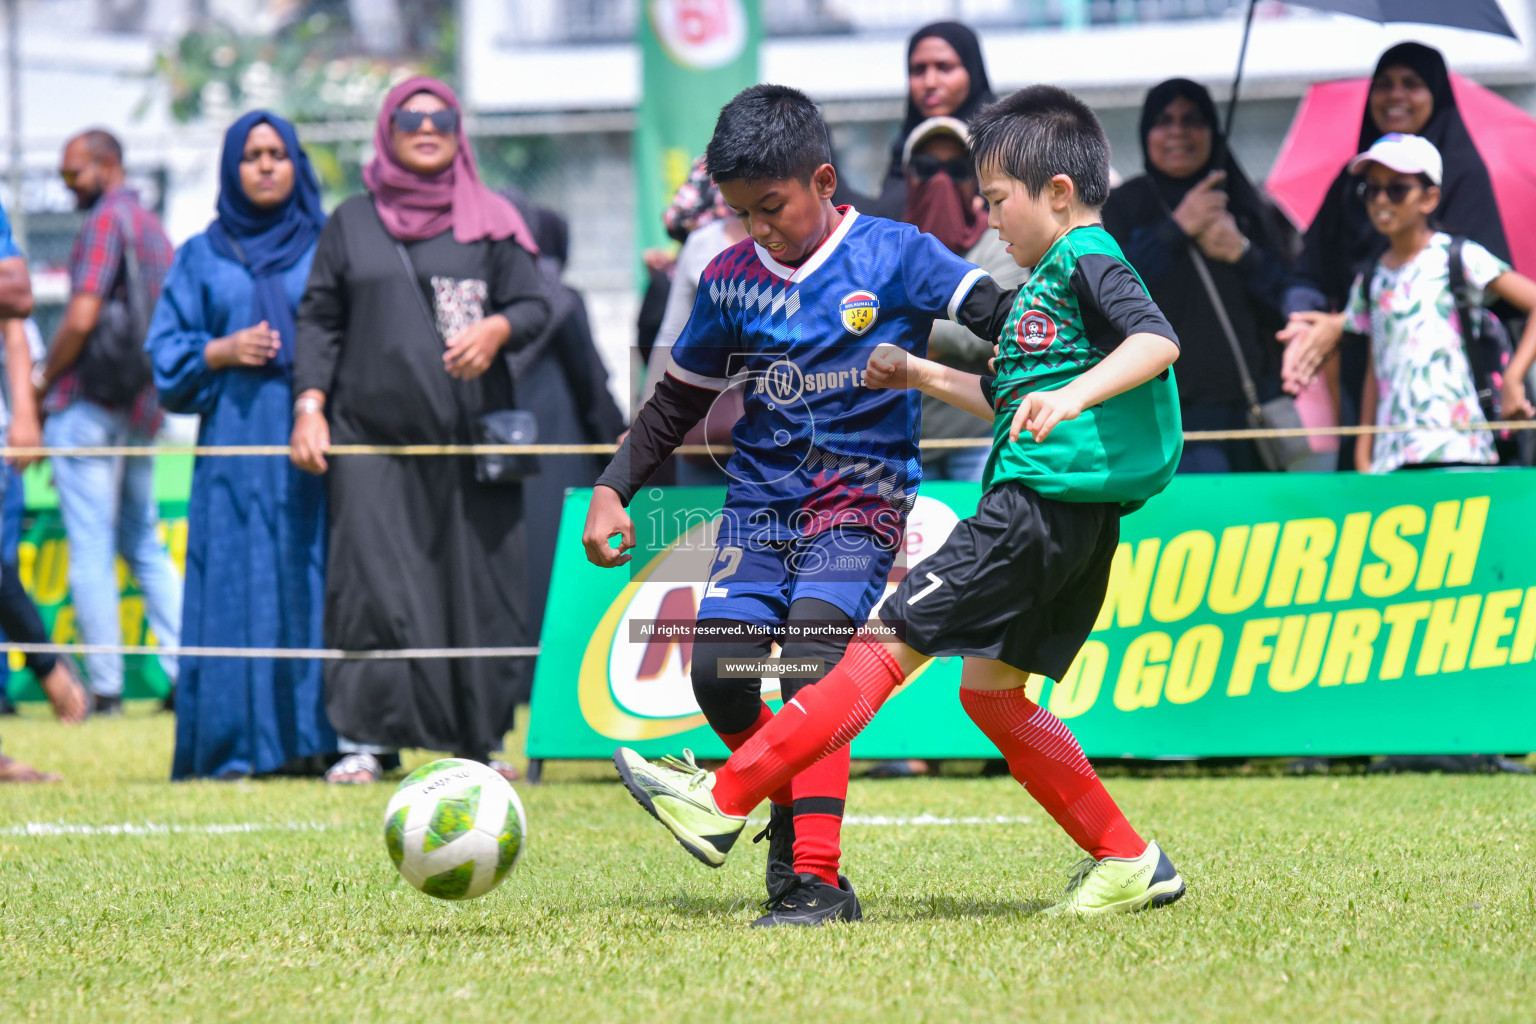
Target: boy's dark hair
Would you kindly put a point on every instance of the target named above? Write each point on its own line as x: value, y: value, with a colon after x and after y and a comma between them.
x: 768, y: 133
x: 1040, y: 132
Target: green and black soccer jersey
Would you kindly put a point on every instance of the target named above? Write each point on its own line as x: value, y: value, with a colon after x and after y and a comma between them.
x: 1080, y: 302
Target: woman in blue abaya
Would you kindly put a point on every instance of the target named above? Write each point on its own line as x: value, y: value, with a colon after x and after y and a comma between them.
x: 222, y: 346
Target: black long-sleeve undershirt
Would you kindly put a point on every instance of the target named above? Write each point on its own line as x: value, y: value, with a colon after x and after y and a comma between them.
x: 659, y: 428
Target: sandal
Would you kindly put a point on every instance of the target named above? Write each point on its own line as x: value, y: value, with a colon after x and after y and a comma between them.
x: 12, y: 770
x: 65, y: 693
x: 355, y: 770
x: 506, y: 771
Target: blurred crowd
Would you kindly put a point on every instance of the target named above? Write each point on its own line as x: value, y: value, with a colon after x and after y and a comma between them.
x: 430, y: 310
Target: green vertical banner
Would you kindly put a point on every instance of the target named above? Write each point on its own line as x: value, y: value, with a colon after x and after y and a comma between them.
x: 694, y: 56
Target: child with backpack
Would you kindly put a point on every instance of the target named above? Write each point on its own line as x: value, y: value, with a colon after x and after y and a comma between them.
x: 1421, y: 373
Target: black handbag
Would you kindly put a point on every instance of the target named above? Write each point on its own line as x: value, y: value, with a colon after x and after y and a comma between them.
x: 1278, y: 453
x: 506, y: 426
x: 113, y: 366
x: 499, y: 426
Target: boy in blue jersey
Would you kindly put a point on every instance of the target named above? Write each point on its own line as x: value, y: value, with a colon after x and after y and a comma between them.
x: 1086, y: 429
x: 825, y: 469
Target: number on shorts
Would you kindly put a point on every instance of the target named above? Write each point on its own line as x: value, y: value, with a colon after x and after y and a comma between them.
x: 732, y: 559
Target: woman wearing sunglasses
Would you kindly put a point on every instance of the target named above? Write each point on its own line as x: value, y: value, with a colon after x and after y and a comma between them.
x: 417, y: 288
x: 1195, y: 199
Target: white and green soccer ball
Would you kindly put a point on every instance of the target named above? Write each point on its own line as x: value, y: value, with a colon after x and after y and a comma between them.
x: 455, y: 829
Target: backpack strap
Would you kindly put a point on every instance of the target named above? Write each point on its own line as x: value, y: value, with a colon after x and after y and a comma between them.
x: 1466, y: 315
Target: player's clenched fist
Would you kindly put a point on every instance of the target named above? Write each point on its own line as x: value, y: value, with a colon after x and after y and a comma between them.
x: 605, y: 519
x: 893, y: 367
x: 1039, y: 412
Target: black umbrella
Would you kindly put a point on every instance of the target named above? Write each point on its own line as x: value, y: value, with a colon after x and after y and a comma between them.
x: 1477, y: 15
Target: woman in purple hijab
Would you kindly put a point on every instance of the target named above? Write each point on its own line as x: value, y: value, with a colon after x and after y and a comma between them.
x: 418, y: 289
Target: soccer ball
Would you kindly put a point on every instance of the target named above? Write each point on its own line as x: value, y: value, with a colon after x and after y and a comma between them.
x: 455, y: 829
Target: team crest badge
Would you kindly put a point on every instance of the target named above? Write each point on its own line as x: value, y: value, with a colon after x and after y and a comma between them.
x: 1036, y: 331
x: 859, y: 310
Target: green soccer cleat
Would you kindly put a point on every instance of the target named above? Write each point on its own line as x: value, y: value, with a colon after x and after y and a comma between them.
x: 1121, y: 885
x: 676, y: 793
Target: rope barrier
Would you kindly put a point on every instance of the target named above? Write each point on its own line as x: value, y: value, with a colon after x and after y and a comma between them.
x: 281, y: 653
x: 417, y: 450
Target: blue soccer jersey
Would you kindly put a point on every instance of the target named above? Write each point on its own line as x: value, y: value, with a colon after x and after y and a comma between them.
x: 816, y: 448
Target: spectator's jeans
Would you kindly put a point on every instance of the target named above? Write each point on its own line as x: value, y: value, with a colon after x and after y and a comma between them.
x: 108, y: 503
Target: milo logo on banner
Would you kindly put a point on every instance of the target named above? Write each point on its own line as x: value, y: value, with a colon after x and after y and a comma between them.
x: 700, y: 34
x: 634, y: 677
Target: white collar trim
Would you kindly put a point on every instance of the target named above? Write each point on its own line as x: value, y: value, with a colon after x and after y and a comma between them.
x: 820, y: 256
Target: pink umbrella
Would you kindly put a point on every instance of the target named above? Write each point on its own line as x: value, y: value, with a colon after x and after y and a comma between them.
x: 1323, y: 135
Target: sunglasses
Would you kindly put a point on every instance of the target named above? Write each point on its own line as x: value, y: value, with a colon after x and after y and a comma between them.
x: 444, y: 122
x: 1396, y: 192
x: 924, y: 167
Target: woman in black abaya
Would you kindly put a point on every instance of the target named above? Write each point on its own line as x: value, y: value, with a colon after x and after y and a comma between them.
x: 416, y: 290
x: 1195, y: 196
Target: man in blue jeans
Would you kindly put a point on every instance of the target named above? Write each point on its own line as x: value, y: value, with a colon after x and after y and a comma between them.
x: 108, y: 502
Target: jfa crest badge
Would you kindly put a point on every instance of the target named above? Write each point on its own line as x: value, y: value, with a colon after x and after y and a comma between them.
x: 859, y: 310
x: 1036, y: 331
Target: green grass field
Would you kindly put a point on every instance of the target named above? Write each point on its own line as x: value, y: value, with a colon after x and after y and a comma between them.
x: 1311, y: 899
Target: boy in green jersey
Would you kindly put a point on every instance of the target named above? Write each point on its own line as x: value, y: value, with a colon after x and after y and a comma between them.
x: 1087, y: 429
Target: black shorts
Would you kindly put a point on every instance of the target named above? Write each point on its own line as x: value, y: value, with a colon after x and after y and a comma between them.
x: 1021, y: 582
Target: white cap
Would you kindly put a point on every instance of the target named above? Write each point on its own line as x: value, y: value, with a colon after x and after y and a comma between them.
x: 1405, y: 154
x: 928, y: 129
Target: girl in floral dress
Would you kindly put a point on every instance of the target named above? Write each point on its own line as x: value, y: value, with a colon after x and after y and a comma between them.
x: 1419, y: 374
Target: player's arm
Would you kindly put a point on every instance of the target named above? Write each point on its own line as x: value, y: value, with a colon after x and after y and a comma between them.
x: 893, y: 367
x: 985, y: 308
x: 659, y: 428
x: 1109, y: 292
x: 1134, y: 361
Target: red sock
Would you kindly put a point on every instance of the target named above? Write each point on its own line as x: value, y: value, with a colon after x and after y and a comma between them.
x: 1046, y: 759
x: 782, y: 796
x: 821, y: 792
x: 822, y: 717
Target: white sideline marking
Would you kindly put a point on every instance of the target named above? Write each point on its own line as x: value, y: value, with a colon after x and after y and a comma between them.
x: 881, y: 820
x: 884, y: 821
x: 148, y: 828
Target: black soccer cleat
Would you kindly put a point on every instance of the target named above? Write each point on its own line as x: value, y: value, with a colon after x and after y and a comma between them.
x: 780, y: 833
x: 810, y: 901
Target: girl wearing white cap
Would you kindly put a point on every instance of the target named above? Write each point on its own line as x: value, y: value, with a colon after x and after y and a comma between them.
x: 1419, y: 372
